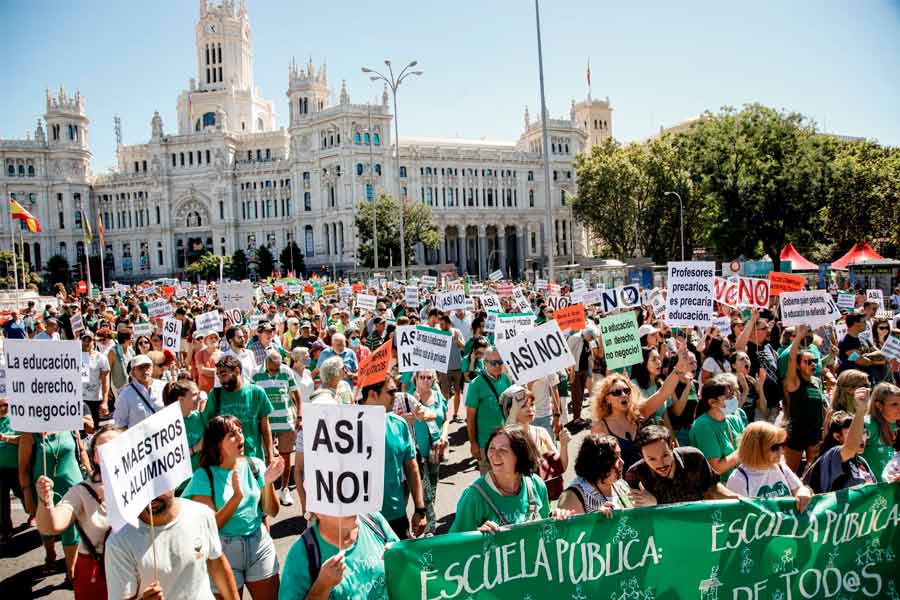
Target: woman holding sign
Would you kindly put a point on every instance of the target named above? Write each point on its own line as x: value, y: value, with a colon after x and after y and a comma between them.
x: 82, y: 506
x: 239, y: 489
x: 431, y: 436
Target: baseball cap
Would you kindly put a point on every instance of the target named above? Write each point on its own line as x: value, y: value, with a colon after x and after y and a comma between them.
x: 140, y: 360
x: 264, y: 326
x: 646, y: 330
x: 305, y: 324
x: 317, y: 345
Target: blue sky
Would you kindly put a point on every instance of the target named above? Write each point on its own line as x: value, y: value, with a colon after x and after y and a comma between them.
x: 838, y: 62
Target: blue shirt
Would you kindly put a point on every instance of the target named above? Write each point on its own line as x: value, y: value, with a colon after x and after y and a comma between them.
x: 15, y: 330
x: 348, y: 356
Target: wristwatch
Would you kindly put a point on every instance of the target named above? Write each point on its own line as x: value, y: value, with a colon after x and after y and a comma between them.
x: 419, y: 511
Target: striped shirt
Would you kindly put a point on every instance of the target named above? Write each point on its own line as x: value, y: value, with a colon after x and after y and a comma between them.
x: 278, y: 388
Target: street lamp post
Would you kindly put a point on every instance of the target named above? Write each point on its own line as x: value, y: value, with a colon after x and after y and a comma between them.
x: 681, y: 214
x: 374, y: 196
x: 394, y: 82
x: 545, y: 135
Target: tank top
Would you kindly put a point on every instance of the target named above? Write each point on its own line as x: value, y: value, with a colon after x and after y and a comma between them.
x: 630, y: 452
x: 807, y: 406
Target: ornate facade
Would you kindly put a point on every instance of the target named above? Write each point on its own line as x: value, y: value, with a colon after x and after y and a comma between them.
x: 231, y: 179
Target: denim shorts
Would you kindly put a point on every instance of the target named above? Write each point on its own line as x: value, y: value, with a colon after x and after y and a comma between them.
x: 252, y: 557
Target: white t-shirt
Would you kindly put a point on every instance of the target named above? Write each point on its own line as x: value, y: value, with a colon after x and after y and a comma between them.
x: 464, y: 325
x: 776, y: 482
x: 182, y: 547
x: 92, y: 365
x: 543, y: 405
x: 713, y: 367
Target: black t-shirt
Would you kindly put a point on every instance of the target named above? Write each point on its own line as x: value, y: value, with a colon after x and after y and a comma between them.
x: 847, y: 346
x: 303, y: 342
x: 693, y: 478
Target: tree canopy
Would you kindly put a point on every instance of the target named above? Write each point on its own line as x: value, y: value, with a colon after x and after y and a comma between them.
x: 418, y: 224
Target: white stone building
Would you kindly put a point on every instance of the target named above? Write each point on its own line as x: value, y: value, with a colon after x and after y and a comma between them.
x: 229, y: 178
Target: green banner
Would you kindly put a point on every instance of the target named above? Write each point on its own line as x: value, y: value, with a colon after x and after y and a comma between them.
x: 844, y: 546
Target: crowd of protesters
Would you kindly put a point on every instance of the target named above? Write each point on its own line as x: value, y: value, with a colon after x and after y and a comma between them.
x: 762, y: 411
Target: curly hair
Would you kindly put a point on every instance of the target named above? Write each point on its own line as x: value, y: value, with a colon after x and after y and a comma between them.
x: 527, y: 458
x: 597, y: 457
x: 600, y: 404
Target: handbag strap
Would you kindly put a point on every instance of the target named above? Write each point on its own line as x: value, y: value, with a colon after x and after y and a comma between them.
x: 143, y: 398
x: 490, y: 503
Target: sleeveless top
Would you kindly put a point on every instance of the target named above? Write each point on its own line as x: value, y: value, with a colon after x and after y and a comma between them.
x: 630, y: 452
x: 592, y: 498
x: 806, y: 407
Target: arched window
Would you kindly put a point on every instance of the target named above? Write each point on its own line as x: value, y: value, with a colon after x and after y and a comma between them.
x: 530, y: 198
x: 21, y: 170
x: 378, y: 169
x: 376, y: 139
x: 357, y: 139
x: 209, y: 119
x: 193, y: 219
x: 11, y: 170
x: 327, y: 239
x: 367, y: 139
x: 359, y: 168
x: 63, y: 251
x: 259, y: 124
x: 31, y: 170
x: 37, y: 256
x: 428, y: 170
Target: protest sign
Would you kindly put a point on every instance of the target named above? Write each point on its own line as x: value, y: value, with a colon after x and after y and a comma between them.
x: 579, y: 286
x: 449, y: 301
x: 201, y: 288
x: 657, y: 302
x: 366, y: 302
x: 181, y: 292
x: 891, y: 348
x: 235, y: 315
x: 785, y: 282
x: 209, y: 321
x: 496, y: 275
x: 147, y: 460
x: 77, y: 322
x: 510, y: 325
x: 294, y: 289
x: 521, y: 302
x: 627, y: 296
x: 172, y: 334
x: 329, y: 289
x: 267, y: 289
x: 724, y: 325
x: 535, y: 353
x: 875, y: 296
x: 429, y: 281
x: 343, y: 452
x: 142, y: 329
x: 690, y: 293
x: 621, y: 343
x: 570, y: 318
x: 843, y: 545
x: 405, y: 338
x: 554, y: 289
x: 726, y: 291
x: 490, y: 322
x: 236, y: 294
x: 43, y: 381
x: 752, y: 292
x: 475, y: 289
x: 490, y: 302
x: 814, y: 308
x: 846, y: 301
x: 558, y: 302
x: 540, y: 285
x: 412, y: 296
x: 159, y: 308
x: 432, y: 349
x: 376, y: 368
x: 505, y: 290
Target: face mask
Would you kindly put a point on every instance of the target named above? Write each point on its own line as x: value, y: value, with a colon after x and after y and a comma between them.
x: 731, y: 406
x: 354, y: 342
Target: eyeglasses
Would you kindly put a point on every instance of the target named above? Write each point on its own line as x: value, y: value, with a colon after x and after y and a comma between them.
x: 776, y: 447
x: 429, y: 377
x: 883, y: 328
x: 494, y: 363
x: 144, y: 342
x: 619, y: 392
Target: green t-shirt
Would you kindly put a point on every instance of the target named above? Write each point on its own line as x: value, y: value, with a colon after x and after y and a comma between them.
x: 877, y: 453
x: 9, y: 452
x: 278, y: 388
x: 718, y: 439
x: 364, y: 576
x: 428, y: 432
x: 247, y: 518
x: 478, y: 369
x: 472, y: 511
x: 398, y: 449
x: 486, y: 404
x: 195, y: 427
x: 62, y: 460
x: 250, y: 405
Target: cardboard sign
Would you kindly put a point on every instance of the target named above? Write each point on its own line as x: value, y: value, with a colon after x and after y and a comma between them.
x: 522, y: 303
x: 145, y: 461
x: 490, y: 302
x: 785, y: 282
x: 621, y: 343
x: 366, y: 302
x: 43, y: 385
x: 172, y: 334
x: 571, y: 318
x: 159, y: 308
x: 432, y: 349
x: 142, y: 329
x: 627, y: 296
x: 813, y: 308
x: 77, y: 322
x: 412, y: 296
x: 891, y: 348
x: 558, y: 302
x: 236, y: 294
x: 875, y: 296
x: 450, y: 301
x: 690, y: 293
x: 343, y: 451
x: 329, y: 289
x: 496, y: 275
x: 377, y: 366
x: 510, y: 325
x: 536, y: 353
x: 209, y: 321
x: 657, y: 302
x: 846, y: 301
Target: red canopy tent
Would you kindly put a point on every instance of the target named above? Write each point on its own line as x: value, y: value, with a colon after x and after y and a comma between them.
x: 798, y: 262
x: 859, y: 252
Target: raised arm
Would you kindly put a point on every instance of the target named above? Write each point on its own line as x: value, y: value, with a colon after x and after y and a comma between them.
x: 740, y: 343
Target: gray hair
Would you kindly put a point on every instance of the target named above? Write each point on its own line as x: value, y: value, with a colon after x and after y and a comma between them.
x: 272, y: 356
x: 332, y: 370
x: 338, y: 336
x: 729, y: 379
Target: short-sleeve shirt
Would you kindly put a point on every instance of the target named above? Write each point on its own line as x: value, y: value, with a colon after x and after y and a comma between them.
x: 479, y: 396
x: 250, y: 405
x: 693, y: 477
x: 832, y: 473
x: 278, y: 388
x: 847, y: 346
x: 182, y: 548
x: 776, y: 482
x: 398, y: 449
x: 247, y: 517
x: 9, y: 452
x: 472, y: 511
x: 93, y: 364
x: 877, y: 453
x: 718, y: 439
x: 90, y: 514
x: 364, y: 576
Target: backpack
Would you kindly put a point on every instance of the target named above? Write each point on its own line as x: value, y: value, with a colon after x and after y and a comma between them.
x: 314, y: 554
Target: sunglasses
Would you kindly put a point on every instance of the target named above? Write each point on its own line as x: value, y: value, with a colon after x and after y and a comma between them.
x: 619, y: 392
x: 143, y: 342
x: 429, y: 377
x: 494, y: 363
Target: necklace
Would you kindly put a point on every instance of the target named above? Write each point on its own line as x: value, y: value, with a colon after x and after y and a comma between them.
x: 53, y: 453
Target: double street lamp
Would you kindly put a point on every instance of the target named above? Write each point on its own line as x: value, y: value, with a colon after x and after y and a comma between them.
x: 394, y: 82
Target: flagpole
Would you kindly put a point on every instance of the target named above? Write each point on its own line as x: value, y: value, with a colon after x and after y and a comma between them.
x: 12, y: 244
x: 22, y: 254
x: 87, y: 250
x: 102, y: 252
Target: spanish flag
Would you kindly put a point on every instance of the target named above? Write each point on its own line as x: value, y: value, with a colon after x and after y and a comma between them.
x: 88, y: 234
x: 17, y: 211
x: 100, y: 230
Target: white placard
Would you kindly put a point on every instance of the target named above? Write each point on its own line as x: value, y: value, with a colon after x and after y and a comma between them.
x: 77, y: 322
x: 43, y: 385
x: 450, y: 301
x: 412, y: 296
x: 432, y: 349
x: 845, y: 300
x: 209, y: 321
x: 172, y: 334
x: 839, y: 329
x: 366, y: 302
x: 613, y: 299
x: 891, y: 348
x: 145, y: 461
x: 521, y: 302
x: 724, y: 325
x: 657, y: 302
x: 428, y: 281
x: 343, y: 452
x: 496, y: 275
x: 536, y: 353
x: 490, y: 322
x: 267, y: 289
x: 142, y: 329
x: 405, y: 341
x: 690, y: 293
x: 181, y: 292
x: 579, y: 285
x: 540, y: 285
x: 201, y: 288
x: 814, y: 308
x: 294, y: 289
x: 491, y: 302
x: 476, y: 289
x: 236, y: 294
x: 558, y: 302
x: 509, y: 326
x: 875, y: 296
x: 159, y: 308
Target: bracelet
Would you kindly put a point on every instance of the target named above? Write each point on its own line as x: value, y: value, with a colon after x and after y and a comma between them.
x: 557, y: 415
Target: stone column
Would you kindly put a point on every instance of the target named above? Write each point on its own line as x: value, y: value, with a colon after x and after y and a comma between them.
x: 442, y: 249
x: 482, y: 251
x: 521, y: 234
x: 501, y: 247
x: 461, y: 249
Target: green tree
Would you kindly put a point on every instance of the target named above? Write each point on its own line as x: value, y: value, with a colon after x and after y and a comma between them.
x: 418, y: 224
x: 238, y: 270
x: 291, y: 258
x: 265, y: 262
x: 207, y: 266
x: 57, y: 270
